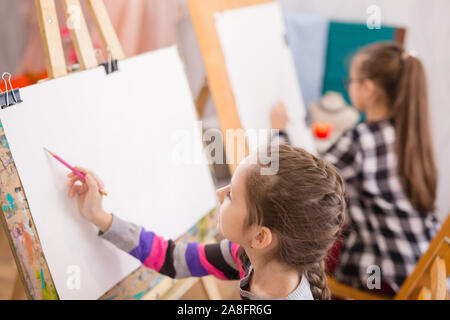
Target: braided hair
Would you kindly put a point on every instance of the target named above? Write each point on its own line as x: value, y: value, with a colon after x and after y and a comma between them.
x: 303, y: 204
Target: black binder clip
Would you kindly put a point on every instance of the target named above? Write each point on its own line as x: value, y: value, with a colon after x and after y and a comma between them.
x: 11, y: 97
x: 112, y: 65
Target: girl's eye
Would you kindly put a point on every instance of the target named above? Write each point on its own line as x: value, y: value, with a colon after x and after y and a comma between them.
x: 229, y: 195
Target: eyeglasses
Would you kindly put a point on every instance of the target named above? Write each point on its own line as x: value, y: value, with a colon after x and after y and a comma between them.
x: 348, y: 81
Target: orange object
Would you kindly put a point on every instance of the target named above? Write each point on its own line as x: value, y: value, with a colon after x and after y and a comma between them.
x: 23, y: 81
x: 17, y: 82
x: 322, y: 130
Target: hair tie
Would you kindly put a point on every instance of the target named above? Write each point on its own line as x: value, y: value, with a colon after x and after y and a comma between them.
x: 407, y: 54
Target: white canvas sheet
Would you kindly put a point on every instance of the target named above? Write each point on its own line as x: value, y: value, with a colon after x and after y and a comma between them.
x: 128, y: 128
x: 261, y: 70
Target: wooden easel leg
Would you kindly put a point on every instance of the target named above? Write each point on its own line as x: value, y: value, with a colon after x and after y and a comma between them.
x: 202, y: 99
x: 106, y: 28
x: 210, y: 286
x: 80, y: 34
x: 51, y: 38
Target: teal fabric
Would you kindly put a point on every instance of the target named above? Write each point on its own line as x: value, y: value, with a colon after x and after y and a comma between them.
x: 344, y: 40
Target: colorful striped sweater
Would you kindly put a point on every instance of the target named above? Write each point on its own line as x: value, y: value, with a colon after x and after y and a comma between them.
x: 179, y: 260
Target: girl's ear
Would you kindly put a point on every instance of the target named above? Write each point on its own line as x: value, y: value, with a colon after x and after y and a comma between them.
x: 369, y: 87
x: 262, y: 239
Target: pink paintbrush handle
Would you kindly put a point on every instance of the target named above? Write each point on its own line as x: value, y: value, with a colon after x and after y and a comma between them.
x: 78, y: 173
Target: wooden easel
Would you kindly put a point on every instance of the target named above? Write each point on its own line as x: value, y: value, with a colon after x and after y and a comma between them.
x: 33, y: 271
x: 48, y: 22
x: 202, y: 14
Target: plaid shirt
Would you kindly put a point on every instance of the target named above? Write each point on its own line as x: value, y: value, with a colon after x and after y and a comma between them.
x: 384, y: 228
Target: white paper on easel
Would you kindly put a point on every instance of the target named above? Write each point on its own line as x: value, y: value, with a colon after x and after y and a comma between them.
x: 261, y: 70
x: 135, y: 129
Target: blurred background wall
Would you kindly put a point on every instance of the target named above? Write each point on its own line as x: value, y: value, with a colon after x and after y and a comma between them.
x: 144, y: 25
x: 141, y: 25
x: 428, y: 33
x: 13, y: 35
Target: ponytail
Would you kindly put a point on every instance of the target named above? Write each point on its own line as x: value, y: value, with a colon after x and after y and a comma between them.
x: 414, y: 146
x: 402, y: 78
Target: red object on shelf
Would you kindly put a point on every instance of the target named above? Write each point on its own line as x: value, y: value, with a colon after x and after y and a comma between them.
x: 322, y: 130
x: 18, y: 82
x: 23, y: 81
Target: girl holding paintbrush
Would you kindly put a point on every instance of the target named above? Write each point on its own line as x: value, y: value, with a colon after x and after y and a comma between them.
x: 278, y: 228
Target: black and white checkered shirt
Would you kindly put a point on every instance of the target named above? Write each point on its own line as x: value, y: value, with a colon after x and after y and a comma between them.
x: 384, y: 228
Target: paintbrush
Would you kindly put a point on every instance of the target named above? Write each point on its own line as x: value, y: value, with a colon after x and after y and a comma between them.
x: 78, y: 173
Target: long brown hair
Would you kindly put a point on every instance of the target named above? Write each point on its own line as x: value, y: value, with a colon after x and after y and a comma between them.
x: 402, y: 80
x: 304, y: 205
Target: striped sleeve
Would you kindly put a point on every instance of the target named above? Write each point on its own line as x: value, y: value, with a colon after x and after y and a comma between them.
x: 176, y: 260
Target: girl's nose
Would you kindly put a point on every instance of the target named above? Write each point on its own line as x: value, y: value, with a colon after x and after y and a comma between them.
x: 221, y: 194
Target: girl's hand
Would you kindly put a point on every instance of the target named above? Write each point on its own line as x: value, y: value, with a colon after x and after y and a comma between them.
x: 89, y: 198
x: 279, y: 117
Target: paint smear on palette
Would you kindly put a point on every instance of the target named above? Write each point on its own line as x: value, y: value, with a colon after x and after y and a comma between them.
x: 27, y: 242
x: 140, y: 294
x: 4, y: 142
x: 42, y: 279
x: 154, y: 282
x: 10, y: 207
x: 145, y: 275
x: 47, y: 293
x: 193, y: 231
x: 27, y: 223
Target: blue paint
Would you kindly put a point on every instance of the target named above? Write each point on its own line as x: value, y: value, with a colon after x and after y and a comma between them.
x: 11, y: 208
x: 11, y: 200
x: 145, y: 275
x: 140, y: 294
x: 42, y: 280
x: 4, y: 142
